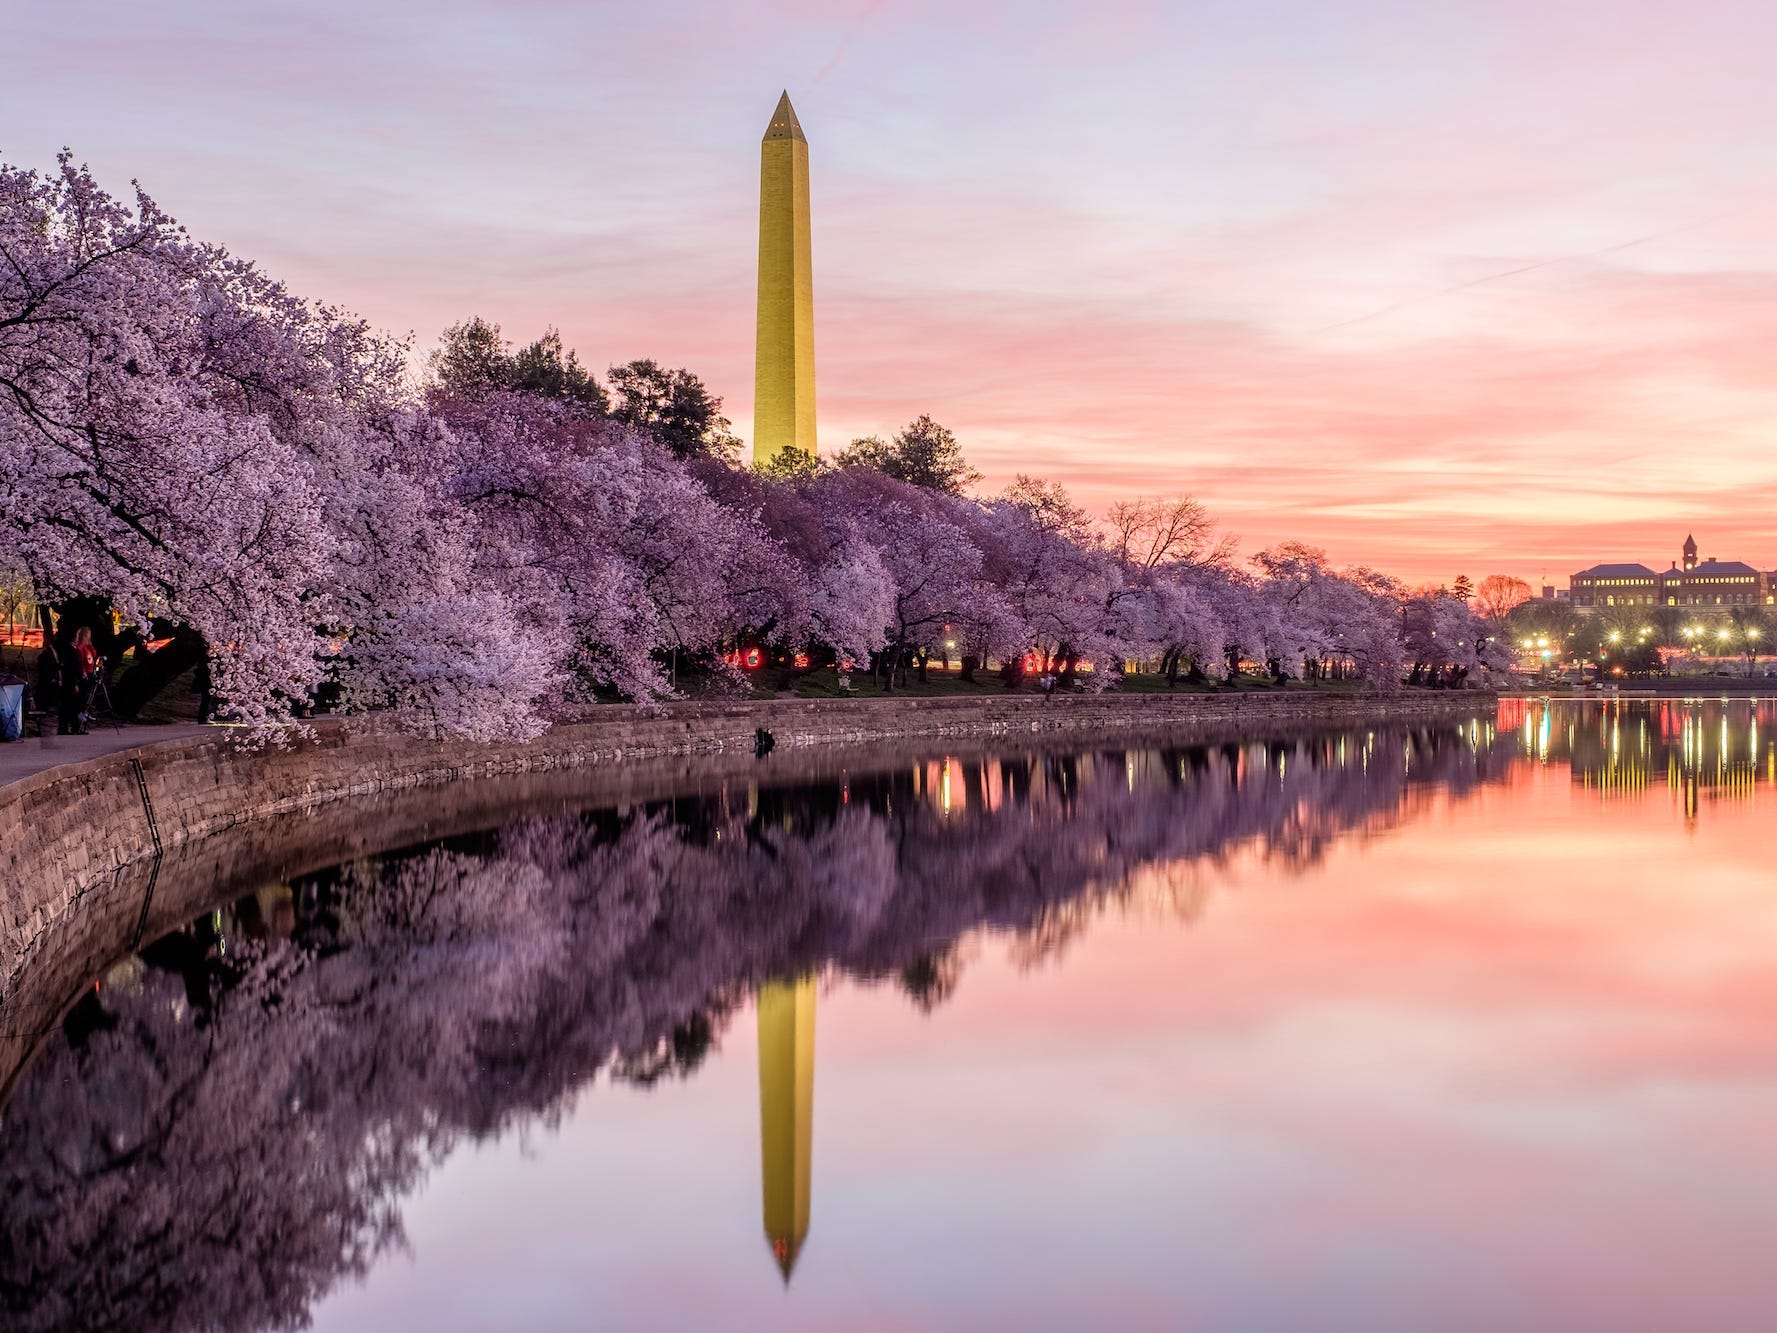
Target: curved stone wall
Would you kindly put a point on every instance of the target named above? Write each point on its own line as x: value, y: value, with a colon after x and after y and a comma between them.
x: 111, y: 829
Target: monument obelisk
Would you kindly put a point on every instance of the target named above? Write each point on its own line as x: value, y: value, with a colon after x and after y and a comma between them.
x: 783, y: 373
x: 786, y: 1113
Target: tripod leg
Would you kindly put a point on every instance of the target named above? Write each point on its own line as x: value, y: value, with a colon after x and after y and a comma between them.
x: 104, y: 692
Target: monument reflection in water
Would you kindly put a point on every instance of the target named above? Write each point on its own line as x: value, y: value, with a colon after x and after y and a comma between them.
x: 236, y: 1122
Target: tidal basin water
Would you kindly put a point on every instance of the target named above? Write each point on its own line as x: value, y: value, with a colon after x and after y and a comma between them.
x: 1461, y: 1027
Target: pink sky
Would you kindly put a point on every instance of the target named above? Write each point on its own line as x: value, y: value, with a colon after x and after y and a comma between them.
x: 1444, y: 288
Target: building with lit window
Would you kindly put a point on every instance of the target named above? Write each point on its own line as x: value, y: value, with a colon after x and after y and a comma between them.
x: 1703, y: 585
x: 1615, y: 585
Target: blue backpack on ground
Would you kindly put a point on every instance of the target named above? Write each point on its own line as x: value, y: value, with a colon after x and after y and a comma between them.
x: 12, y: 710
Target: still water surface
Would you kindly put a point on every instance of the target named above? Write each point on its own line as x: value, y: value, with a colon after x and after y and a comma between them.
x: 1455, y: 1028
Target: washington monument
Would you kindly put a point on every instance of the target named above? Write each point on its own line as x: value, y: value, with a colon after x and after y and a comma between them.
x: 786, y: 1113
x: 783, y: 375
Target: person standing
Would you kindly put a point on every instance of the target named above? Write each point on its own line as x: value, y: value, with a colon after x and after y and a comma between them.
x: 91, y: 664
x: 80, y: 675
x: 90, y: 661
x: 68, y: 697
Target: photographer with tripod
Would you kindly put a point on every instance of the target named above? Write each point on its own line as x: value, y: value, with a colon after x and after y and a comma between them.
x: 80, y: 676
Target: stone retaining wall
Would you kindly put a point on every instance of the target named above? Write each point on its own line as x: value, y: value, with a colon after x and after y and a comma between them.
x: 356, y: 787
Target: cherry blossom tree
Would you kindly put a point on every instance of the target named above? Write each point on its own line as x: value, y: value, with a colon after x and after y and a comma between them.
x: 188, y: 441
x: 1042, y: 555
x: 619, y: 554
x: 921, y: 540
x: 1175, y: 619
x: 831, y: 591
x: 1326, y: 619
x: 1446, y: 641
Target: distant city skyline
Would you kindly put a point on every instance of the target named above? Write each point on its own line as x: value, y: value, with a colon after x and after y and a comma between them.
x: 1457, y: 291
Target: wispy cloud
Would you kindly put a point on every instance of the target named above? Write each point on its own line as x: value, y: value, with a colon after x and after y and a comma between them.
x: 868, y: 11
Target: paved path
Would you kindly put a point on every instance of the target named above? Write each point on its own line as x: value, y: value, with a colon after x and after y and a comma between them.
x: 33, y: 754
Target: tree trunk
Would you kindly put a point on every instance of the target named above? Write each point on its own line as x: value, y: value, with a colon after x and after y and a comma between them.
x: 153, y: 672
x: 893, y: 662
x: 1065, y: 665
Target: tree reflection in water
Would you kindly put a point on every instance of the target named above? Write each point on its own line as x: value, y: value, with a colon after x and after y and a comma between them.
x: 227, y: 1126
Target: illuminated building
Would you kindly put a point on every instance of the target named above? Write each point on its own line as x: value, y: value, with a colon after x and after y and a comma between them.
x: 1700, y: 584
x: 1713, y: 583
x: 1615, y: 585
x: 783, y: 366
x: 786, y: 1113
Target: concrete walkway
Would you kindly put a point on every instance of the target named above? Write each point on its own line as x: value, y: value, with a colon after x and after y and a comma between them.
x: 33, y: 754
